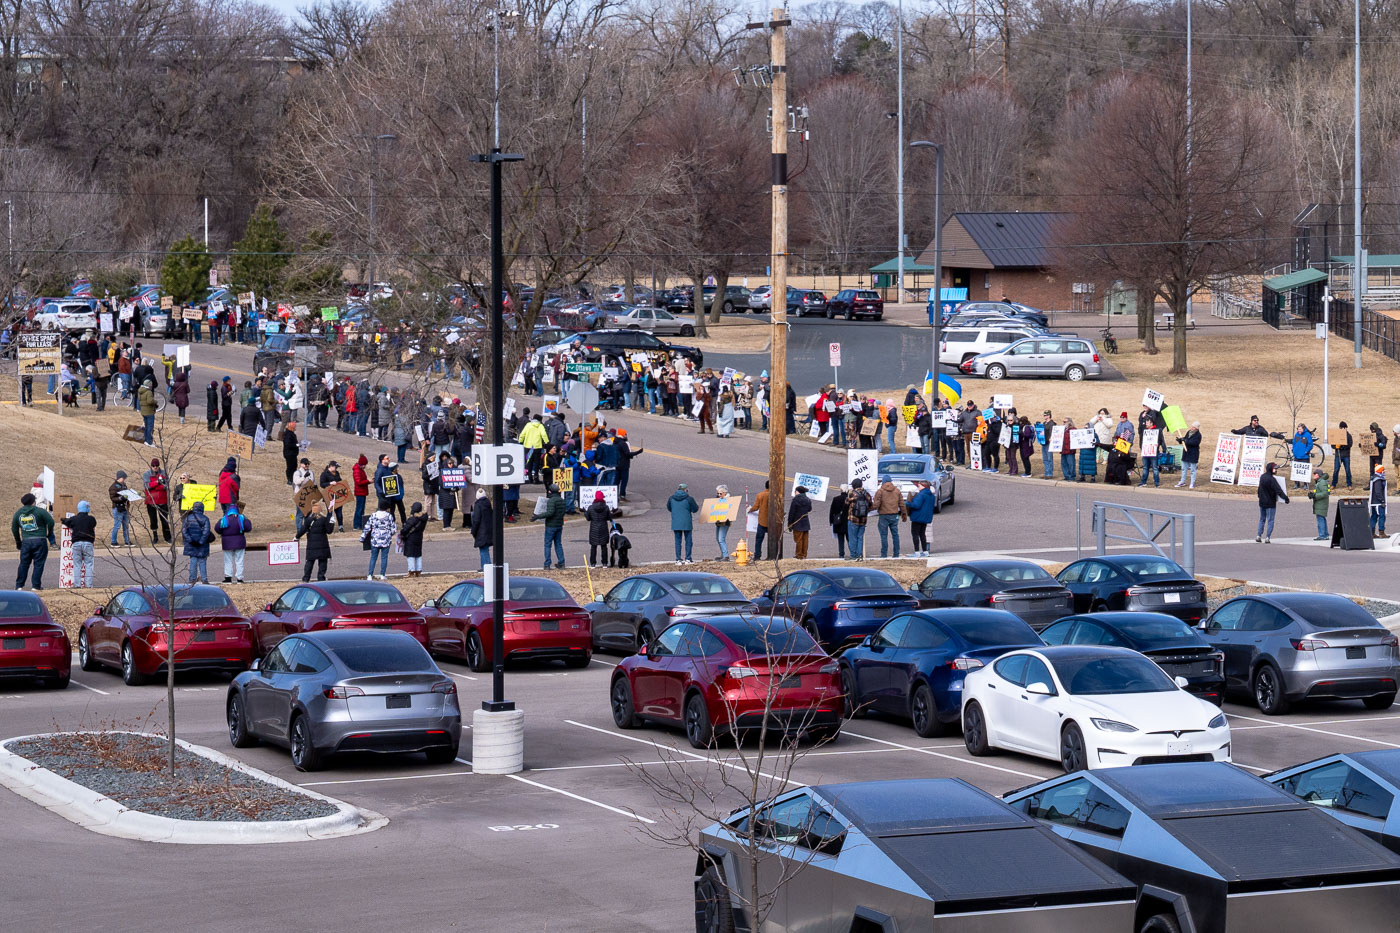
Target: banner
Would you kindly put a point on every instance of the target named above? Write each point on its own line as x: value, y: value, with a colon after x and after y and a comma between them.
x: 586, y: 495
x: 454, y: 478
x: 816, y: 485
x: 860, y: 465
x: 1227, y: 458
x: 1151, y: 438
x: 1252, y: 454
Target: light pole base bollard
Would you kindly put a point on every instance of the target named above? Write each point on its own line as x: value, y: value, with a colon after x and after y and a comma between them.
x: 498, y: 741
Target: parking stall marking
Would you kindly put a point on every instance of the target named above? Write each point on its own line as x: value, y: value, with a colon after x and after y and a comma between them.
x: 579, y: 797
x: 965, y: 761
x: 459, y: 676
x: 79, y: 683
x: 1294, y: 725
x: 661, y: 747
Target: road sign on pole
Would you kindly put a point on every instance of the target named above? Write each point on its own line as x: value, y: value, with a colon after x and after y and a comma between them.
x: 835, y: 352
x: 498, y: 464
x: 584, y: 369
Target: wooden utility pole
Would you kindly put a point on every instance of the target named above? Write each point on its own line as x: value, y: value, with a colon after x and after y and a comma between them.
x: 777, y: 367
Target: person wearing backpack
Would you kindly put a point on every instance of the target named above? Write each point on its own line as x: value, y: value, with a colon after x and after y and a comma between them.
x: 156, y: 486
x: 197, y: 534
x: 858, y: 508
x: 233, y: 530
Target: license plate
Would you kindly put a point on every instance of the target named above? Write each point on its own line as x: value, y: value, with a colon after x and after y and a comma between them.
x: 1352, y: 653
x: 13, y: 644
x: 880, y: 612
x: 1178, y: 748
x: 381, y: 625
x: 398, y: 701
x: 1171, y: 597
x: 203, y: 636
x: 549, y: 626
x: 789, y: 682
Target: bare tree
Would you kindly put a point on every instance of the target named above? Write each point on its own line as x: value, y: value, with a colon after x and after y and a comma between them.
x: 1297, y: 388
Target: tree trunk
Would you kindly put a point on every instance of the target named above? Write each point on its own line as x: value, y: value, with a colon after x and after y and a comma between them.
x: 629, y: 284
x: 717, y: 306
x: 1146, y: 306
x: 697, y: 303
x: 1181, y: 309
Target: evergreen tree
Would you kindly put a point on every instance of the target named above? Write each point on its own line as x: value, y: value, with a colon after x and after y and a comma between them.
x: 260, y: 259
x: 184, y: 275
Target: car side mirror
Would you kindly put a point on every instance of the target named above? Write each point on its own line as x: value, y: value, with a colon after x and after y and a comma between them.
x: 268, y: 608
x: 611, y: 603
x: 1182, y: 682
x: 99, y: 611
x: 642, y: 650
x: 867, y: 641
x: 767, y: 594
x: 429, y: 604
x: 257, y: 663
x: 1039, y: 689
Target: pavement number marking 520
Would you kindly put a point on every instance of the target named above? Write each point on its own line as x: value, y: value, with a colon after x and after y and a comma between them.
x: 522, y: 827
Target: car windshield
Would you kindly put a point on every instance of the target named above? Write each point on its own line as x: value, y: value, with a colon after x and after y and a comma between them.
x: 19, y: 605
x: 707, y: 586
x: 759, y: 636
x: 862, y: 579
x: 537, y: 591
x: 1020, y: 574
x: 199, y: 597
x: 999, y: 630
x: 369, y: 596
x: 903, y: 467
x: 1097, y: 676
x: 385, y: 656
x: 1156, y: 629
x: 1151, y: 567
x: 278, y: 342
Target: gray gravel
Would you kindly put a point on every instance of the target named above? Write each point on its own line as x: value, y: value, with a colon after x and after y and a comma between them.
x: 1379, y: 608
x: 133, y: 770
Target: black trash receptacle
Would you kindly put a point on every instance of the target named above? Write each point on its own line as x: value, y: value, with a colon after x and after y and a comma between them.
x: 1351, y: 529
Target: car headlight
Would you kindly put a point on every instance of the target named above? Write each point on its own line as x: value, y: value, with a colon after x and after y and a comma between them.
x: 1218, y: 722
x: 1112, y: 725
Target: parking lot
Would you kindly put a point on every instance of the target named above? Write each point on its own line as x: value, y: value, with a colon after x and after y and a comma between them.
x: 580, y: 840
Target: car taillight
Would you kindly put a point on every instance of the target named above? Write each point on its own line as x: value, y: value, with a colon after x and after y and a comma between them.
x: 445, y: 686
x: 997, y: 598
x: 842, y: 604
x: 1390, y: 641
x: 739, y: 672
x: 1307, y: 644
x: 341, y: 693
x: 965, y: 664
x: 830, y: 667
x: 1134, y: 591
x: 1096, y: 357
x: 339, y: 621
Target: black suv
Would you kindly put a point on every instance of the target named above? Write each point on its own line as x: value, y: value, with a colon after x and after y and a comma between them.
x: 618, y: 343
x: 281, y: 353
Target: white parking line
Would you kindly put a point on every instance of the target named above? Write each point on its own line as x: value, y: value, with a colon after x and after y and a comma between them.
x: 1294, y: 725
x: 79, y: 683
x: 462, y: 676
x: 601, y: 661
x: 964, y: 761
x: 618, y: 810
x: 661, y: 747
x: 402, y: 777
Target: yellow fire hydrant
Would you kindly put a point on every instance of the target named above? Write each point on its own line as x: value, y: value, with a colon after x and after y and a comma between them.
x: 741, y: 553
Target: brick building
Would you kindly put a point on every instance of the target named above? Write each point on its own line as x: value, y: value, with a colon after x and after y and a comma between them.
x: 1007, y: 254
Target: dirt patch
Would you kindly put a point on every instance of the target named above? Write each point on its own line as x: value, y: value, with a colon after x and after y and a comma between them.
x: 734, y: 334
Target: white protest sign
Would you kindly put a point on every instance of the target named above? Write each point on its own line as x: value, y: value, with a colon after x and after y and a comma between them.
x: 911, y: 437
x: 1002, y: 402
x: 1227, y: 458
x: 952, y: 430
x: 1150, y: 440
x: 586, y: 495
x: 1252, y: 454
x: 46, y: 482
x: 1152, y: 399
x: 939, y: 418
x: 816, y: 485
x: 860, y: 465
x: 1004, y: 439
x: 283, y: 552
x: 260, y: 437
x: 1081, y: 438
x: 1301, y: 471
x: 508, y: 409
x: 182, y: 355
x: 66, y: 564
x: 811, y: 400
x: 1057, y: 438
x: 975, y: 454
x: 498, y: 464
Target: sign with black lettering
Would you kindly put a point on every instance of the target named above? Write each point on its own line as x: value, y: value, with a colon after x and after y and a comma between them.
x: 498, y: 464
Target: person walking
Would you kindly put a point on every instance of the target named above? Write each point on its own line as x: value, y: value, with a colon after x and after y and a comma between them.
x: 1320, y: 494
x: 799, y: 521
x: 1270, y: 491
x: 889, y: 505
x: 32, y: 528
x: 412, y: 536
x: 920, y: 515
x: 722, y: 528
x: 83, y: 528
x: 233, y: 527
x: 121, y: 518
x: 760, y: 508
x: 1341, y: 456
x: 483, y: 530
x: 1190, y: 455
x: 553, y: 518
x: 1376, y: 502
x: 858, y: 508
x: 360, y: 487
x: 376, y: 536
x: 599, y: 518
x: 836, y: 518
x: 682, y: 506
x: 197, y: 535
x: 317, y: 530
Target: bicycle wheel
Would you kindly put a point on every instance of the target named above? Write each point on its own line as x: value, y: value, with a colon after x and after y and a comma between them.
x: 1318, y: 455
x: 1279, y: 452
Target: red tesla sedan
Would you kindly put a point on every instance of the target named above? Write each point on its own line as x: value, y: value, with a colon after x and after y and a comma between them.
x: 542, y: 622
x: 129, y: 633
x: 729, y: 674
x: 32, y: 644
x: 338, y: 604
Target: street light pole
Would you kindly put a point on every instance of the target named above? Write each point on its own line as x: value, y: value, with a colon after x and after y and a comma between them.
x: 899, y: 150
x: 937, y: 321
x: 1358, y: 275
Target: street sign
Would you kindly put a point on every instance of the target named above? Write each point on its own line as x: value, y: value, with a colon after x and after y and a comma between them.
x: 835, y: 351
x: 498, y: 464
x: 582, y: 397
x: 584, y: 369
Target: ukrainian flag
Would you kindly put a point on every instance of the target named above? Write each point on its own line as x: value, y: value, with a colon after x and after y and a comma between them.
x: 948, y: 387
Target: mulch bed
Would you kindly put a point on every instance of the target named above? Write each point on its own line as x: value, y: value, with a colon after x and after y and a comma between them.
x: 134, y: 771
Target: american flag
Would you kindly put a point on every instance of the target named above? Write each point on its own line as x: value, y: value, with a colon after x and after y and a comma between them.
x: 480, y: 427
x: 146, y: 300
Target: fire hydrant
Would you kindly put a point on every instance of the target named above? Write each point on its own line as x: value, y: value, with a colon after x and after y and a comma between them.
x: 741, y: 553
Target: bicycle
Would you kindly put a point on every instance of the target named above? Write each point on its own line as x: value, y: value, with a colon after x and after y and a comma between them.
x: 1110, y: 343
x: 1282, y: 452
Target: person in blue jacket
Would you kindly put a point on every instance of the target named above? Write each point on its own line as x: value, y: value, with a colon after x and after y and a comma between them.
x: 920, y: 514
x: 682, y: 506
x: 1302, y: 448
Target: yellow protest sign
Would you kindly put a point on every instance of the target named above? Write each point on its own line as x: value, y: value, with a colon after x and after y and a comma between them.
x: 564, y: 479
x: 721, y: 510
x: 908, y: 412
x: 191, y: 493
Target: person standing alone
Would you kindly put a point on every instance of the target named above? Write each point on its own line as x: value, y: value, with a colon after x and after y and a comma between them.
x: 1270, y: 491
x: 799, y: 521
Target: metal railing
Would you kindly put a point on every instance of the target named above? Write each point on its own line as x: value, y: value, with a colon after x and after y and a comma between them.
x: 1148, y: 527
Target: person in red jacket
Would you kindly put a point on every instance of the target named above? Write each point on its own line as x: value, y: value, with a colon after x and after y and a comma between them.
x: 361, y: 481
x: 156, y: 489
x: 229, y: 483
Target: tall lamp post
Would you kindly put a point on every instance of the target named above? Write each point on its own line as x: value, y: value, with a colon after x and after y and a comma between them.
x: 937, y: 321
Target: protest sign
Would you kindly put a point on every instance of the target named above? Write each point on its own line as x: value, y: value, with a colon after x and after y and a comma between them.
x: 1151, y: 438
x: 1301, y: 471
x: 238, y: 445
x: 306, y: 497
x: 1253, y: 451
x: 1227, y: 458
x: 1152, y: 399
x: 721, y: 510
x: 975, y: 454
x: 1005, y: 437
x: 1002, y: 402
x: 1081, y: 438
x: 455, y: 478
x: 908, y: 412
x: 283, y: 552
x: 586, y: 495
x: 860, y: 465
x: 191, y: 493
x: 1173, y: 418
x: 1057, y: 438
x: 816, y: 485
x: 564, y: 479
x: 337, y: 494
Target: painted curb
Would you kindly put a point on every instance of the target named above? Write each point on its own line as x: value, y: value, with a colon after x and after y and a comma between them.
x: 101, y: 814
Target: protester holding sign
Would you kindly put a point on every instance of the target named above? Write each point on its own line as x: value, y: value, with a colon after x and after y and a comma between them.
x: 317, y: 529
x: 1190, y: 454
x: 1320, y: 494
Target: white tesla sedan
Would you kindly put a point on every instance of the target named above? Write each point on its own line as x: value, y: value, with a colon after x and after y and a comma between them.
x: 1088, y: 707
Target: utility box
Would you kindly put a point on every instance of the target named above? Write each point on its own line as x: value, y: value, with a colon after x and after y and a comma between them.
x: 1120, y: 300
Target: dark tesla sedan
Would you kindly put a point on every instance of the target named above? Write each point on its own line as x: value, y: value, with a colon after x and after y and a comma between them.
x: 836, y: 605
x: 1018, y: 586
x: 1136, y: 583
x: 914, y: 665
x: 730, y: 674
x: 631, y: 613
x: 1176, y: 647
x: 129, y: 633
x: 1360, y: 789
x: 32, y: 644
x: 542, y: 623
x: 319, y: 693
x: 338, y: 604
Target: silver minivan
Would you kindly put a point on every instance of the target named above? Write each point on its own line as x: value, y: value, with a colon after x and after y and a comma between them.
x: 1072, y: 358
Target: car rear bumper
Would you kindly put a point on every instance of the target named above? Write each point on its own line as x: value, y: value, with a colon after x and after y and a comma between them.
x: 53, y: 661
x: 229, y: 656
x: 1341, y: 685
x: 395, y: 737
x: 548, y: 646
x: 799, y: 719
x: 1186, y: 612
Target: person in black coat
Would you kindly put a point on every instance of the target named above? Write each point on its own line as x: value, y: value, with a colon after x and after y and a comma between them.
x: 799, y: 520
x: 483, y: 529
x: 412, y: 534
x: 1270, y: 491
x: 249, y: 420
x: 836, y: 515
x: 211, y: 404
x: 291, y: 449
x: 317, y: 529
x: 599, y: 526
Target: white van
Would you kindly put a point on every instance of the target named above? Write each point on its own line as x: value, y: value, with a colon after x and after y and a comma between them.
x: 960, y: 344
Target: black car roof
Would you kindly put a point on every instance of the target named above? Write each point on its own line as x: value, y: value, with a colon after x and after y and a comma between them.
x: 892, y: 808
x: 1054, y: 653
x: 353, y: 638
x: 1174, y: 789
x: 996, y: 564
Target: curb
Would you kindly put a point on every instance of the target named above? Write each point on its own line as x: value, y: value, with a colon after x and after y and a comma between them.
x: 101, y: 814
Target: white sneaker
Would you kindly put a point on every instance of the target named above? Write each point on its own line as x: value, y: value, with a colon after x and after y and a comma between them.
x: 383, y: 576
x: 678, y: 563
x: 370, y: 577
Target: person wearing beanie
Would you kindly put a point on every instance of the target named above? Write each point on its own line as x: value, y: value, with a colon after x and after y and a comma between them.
x: 599, y: 518
x: 83, y: 527
x: 859, y: 505
x: 233, y: 530
x: 230, y: 484
x: 225, y: 405
x: 1377, y: 502
x: 553, y: 518
x: 360, y: 487
x: 32, y: 527
x: 197, y: 535
x: 1269, y: 492
x: 483, y: 528
x: 121, y: 518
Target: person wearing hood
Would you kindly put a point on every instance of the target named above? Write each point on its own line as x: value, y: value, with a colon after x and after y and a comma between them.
x: 32, y: 528
x: 121, y: 518
x: 316, y: 529
x: 196, y: 534
x: 682, y: 506
x: 389, y: 485
x: 1378, y: 457
x: 233, y: 530
x: 799, y: 521
x: 211, y: 405
x: 83, y: 528
x: 225, y: 404
x: 1270, y: 491
x: 1376, y: 503
x: 1320, y: 494
x: 599, y: 519
x: 836, y: 518
x: 250, y: 418
x: 376, y: 536
x: 229, y: 484
x: 553, y: 518
x: 146, y: 404
x: 483, y: 528
x: 412, y: 536
x: 155, y: 487
x: 1341, y: 458
x: 360, y: 483
x: 180, y: 393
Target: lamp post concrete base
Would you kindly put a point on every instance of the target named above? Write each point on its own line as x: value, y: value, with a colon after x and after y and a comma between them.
x: 498, y: 741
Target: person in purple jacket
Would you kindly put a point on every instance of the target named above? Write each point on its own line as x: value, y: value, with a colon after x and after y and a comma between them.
x: 233, y: 531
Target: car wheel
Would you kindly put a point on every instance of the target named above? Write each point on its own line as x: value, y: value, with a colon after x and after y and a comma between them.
x: 130, y: 675
x: 713, y: 913
x: 238, y: 734
x: 830, y: 315
x: 1161, y: 923
x: 687, y: 331
x: 1099, y: 606
x: 476, y: 654
x: 441, y: 756
x: 996, y: 371
x: 728, y: 307
x: 1075, y: 374
x: 1383, y: 701
x: 304, y: 755
x: 974, y: 726
x: 645, y: 635
x: 849, y: 315
x: 620, y: 697
x: 697, y: 722
x: 1072, y: 754
x: 810, y: 627
x: 634, y: 327
x: 923, y: 712
x: 85, y: 659
x: 1268, y: 691
x: 851, y: 707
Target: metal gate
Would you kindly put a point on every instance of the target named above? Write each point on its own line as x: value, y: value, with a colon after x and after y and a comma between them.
x: 1135, y: 525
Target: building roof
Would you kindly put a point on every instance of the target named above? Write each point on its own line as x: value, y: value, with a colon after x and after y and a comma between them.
x: 998, y: 240
x: 1373, y: 262
x: 892, y: 265
x: 1282, y: 283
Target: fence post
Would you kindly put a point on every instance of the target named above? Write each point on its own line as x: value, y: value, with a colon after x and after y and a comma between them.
x: 1100, y: 529
x: 1188, y: 544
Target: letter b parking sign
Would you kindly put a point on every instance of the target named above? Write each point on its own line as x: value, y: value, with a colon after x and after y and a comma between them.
x: 498, y: 465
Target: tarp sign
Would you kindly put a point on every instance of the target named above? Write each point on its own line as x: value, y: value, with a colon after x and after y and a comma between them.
x: 1227, y: 458
x: 1252, y: 455
x: 816, y: 485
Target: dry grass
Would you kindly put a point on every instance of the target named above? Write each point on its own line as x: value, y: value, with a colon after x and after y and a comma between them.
x: 737, y: 333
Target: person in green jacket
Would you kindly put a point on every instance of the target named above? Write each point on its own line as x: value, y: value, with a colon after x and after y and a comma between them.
x: 553, y: 517
x: 146, y: 402
x: 1320, y: 493
x: 32, y: 528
